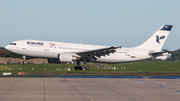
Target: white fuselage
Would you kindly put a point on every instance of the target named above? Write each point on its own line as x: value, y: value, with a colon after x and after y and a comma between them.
x: 47, y: 49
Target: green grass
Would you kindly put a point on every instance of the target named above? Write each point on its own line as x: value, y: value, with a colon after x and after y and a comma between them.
x: 41, y: 68
x: 149, y: 66
x: 144, y: 66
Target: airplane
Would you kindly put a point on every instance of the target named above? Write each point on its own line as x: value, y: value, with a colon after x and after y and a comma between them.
x: 61, y: 52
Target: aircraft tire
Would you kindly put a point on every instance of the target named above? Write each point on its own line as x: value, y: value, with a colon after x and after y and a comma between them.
x: 24, y: 62
x: 76, y: 67
x: 87, y: 67
x: 80, y: 68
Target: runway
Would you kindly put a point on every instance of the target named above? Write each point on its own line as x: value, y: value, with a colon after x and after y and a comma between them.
x: 89, y: 89
x: 99, y: 76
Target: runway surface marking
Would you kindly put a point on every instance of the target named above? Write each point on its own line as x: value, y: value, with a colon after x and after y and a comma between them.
x: 80, y: 90
x: 10, y: 88
x: 116, y: 91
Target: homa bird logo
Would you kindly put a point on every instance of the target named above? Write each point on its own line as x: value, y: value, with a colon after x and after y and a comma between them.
x: 159, y: 38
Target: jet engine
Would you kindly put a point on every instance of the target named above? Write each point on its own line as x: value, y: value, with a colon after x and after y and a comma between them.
x: 62, y: 58
x: 65, y: 57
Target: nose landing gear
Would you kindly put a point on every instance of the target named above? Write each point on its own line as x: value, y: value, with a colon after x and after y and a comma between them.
x: 24, y: 61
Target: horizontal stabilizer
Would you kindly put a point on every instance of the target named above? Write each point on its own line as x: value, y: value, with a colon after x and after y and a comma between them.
x: 155, y: 54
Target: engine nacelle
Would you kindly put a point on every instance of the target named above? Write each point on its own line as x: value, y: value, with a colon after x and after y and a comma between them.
x: 65, y: 57
x: 62, y: 58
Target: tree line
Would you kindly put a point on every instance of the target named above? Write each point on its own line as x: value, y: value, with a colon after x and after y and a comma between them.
x: 175, y: 55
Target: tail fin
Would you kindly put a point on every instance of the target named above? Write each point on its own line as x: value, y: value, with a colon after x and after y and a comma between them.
x: 157, y: 40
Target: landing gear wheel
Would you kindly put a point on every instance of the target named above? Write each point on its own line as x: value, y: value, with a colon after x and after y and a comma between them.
x: 24, y: 62
x: 76, y: 67
x: 80, y: 68
x: 87, y: 67
x: 83, y: 67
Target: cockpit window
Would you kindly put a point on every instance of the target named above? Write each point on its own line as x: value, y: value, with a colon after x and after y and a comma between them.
x: 12, y: 44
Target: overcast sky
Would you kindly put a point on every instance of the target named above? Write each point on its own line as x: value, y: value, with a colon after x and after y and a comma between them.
x: 126, y: 23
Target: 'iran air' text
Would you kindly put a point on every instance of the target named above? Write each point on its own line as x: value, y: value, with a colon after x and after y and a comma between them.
x: 35, y: 43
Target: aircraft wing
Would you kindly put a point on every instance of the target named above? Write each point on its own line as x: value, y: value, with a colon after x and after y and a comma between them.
x: 97, y: 53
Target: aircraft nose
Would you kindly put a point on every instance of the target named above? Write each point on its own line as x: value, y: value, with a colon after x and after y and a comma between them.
x: 7, y: 47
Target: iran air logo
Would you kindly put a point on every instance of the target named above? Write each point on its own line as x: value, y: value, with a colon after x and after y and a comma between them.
x: 159, y: 38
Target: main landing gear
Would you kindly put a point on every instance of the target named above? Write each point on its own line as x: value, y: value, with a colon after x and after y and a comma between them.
x: 84, y: 67
x: 81, y: 67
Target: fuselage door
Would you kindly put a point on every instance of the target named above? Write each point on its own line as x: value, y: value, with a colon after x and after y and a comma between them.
x: 46, y: 46
x: 24, y: 45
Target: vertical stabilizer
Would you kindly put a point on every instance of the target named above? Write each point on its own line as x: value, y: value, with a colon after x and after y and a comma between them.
x: 157, y: 40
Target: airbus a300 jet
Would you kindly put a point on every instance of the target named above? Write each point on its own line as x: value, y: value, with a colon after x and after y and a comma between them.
x: 60, y: 52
